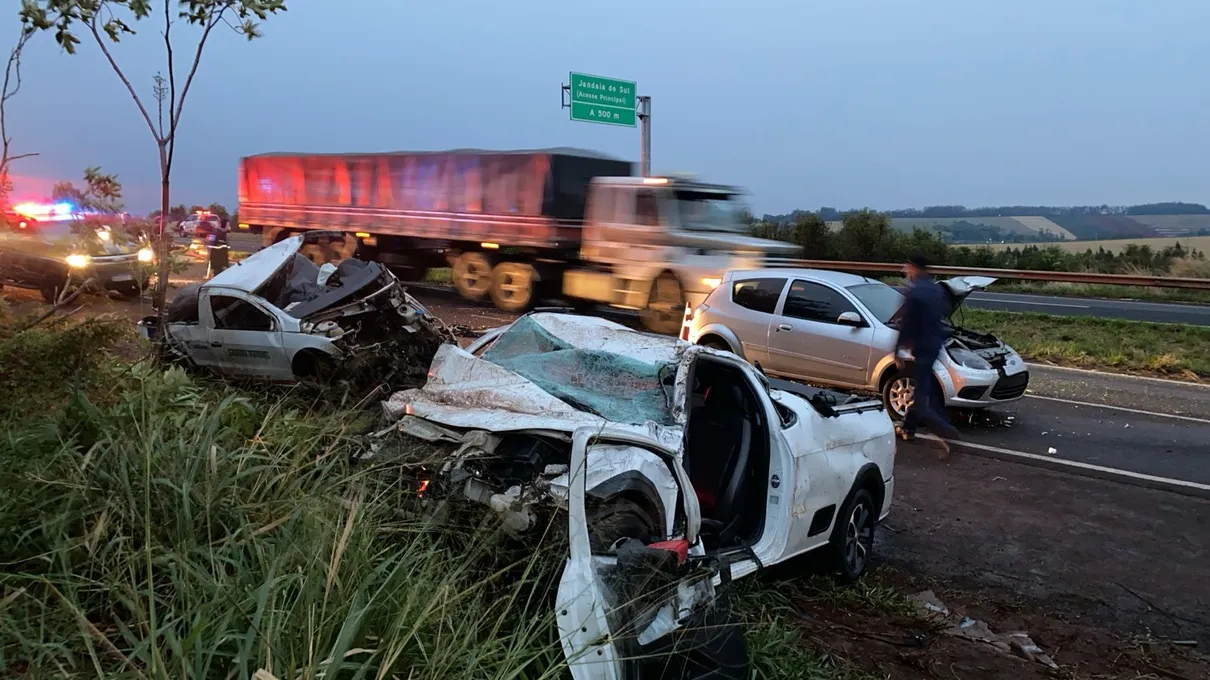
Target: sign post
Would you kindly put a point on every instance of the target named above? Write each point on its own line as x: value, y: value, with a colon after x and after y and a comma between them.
x: 609, y: 101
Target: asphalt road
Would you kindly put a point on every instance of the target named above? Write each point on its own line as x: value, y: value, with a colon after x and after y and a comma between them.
x: 1131, y: 310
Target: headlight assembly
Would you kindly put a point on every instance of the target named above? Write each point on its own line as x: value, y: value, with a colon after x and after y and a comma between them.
x: 968, y: 359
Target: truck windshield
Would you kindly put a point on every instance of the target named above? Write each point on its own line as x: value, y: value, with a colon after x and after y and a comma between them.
x: 709, y: 211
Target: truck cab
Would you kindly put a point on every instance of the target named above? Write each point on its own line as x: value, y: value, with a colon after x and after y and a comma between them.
x: 654, y: 244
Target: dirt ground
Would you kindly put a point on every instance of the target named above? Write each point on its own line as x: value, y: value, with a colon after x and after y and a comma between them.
x: 910, y: 648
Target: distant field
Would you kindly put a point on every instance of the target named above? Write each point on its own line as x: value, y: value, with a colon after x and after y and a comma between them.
x: 1117, y: 245
x: 1073, y: 227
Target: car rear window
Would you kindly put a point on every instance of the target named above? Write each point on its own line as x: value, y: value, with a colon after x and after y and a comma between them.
x: 759, y: 295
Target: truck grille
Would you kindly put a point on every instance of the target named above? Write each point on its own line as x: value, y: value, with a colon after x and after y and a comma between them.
x: 1011, y: 386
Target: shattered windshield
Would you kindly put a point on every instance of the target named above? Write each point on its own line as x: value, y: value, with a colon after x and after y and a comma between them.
x: 709, y: 211
x: 615, y: 387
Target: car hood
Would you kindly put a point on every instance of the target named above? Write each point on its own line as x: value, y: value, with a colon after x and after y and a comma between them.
x: 556, y: 373
x: 253, y: 271
x: 960, y: 287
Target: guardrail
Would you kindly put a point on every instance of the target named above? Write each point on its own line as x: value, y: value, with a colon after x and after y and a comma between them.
x: 1016, y: 274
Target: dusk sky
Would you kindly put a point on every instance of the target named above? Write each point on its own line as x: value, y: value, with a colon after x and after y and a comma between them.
x: 880, y: 103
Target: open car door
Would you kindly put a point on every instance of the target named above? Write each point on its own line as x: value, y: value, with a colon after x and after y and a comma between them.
x: 641, y: 609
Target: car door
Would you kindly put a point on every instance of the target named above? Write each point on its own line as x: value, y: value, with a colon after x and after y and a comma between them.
x: 808, y: 339
x: 245, y: 336
x: 754, y: 302
x: 601, y: 636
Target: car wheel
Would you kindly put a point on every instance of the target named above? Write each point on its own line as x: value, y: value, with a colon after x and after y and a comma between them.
x: 898, y: 391
x: 852, y: 541
x: 715, y: 343
x: 131, y: 293
x: 618, y: 518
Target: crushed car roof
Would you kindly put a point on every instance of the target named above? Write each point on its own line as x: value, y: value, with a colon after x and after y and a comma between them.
x: 253, y: 271
x: 556, y: 372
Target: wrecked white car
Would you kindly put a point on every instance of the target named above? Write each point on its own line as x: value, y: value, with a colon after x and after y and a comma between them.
x: 666, y: 454
x: 278, y: 316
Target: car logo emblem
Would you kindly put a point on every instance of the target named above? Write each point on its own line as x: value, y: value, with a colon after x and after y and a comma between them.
x: 775, y: 481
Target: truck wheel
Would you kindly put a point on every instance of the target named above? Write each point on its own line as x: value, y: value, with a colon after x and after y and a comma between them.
x: 334, y: 251
x: 665, y: 306
x: 514, y: 287
x: 472, y: 274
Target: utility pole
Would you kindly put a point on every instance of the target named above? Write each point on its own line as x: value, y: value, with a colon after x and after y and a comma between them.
x: 644, y: 113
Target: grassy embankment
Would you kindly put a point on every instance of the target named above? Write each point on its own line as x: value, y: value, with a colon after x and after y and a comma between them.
x: 155, y: 525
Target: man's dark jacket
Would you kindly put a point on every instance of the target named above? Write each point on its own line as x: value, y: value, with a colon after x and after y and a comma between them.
x: 921, y: 321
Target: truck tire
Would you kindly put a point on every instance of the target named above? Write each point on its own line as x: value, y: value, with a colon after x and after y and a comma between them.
x: 665, y: 310
x: 472, y: 274
x: 332, y: 251
x: 514, y: 287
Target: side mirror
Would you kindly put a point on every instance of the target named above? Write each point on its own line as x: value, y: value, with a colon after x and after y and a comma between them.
x: 850, y: 319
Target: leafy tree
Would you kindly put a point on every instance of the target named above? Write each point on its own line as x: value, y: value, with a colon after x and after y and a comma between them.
x: 103, y: 21
x: 12, y: 85
x: 220, y: 210
x: 813, y: 234
x: 101, y: 193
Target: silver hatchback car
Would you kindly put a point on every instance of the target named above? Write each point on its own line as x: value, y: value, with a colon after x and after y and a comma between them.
x: 839, y: 329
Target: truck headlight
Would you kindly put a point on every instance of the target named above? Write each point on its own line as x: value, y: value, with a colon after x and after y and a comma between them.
x: 711, y: 283
x: 78, y: 261
x: 967, y: 358
x: 146, y: 254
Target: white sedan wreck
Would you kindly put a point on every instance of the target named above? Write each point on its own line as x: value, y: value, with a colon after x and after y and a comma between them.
x: 278, y: 316
x: 666, y: 456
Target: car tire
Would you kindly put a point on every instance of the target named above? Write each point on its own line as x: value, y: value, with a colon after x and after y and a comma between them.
x: 618, y: 518
x: 715, y: 343
x: 131, y: 293
x: 314, y: 367
x: 852, y: 541
x: 897, y: 390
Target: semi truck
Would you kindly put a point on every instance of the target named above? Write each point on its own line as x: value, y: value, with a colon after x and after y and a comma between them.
x: 514, y: 227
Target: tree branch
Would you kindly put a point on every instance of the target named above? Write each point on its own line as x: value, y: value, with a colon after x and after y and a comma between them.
x: 197, y: 59
x: 170, y: 140
x: 12, y: 71
x: 92, y: 27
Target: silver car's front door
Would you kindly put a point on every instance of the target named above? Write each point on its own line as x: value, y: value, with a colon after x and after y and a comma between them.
x: 807, y: 340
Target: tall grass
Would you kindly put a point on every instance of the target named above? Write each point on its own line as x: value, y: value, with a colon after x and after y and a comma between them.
x: 185, y: 531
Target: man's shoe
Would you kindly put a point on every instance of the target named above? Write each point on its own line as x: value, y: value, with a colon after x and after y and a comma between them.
x: 903, y: 434
x: 945, y: 449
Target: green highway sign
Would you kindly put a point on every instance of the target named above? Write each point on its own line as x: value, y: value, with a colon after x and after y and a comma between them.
x: 602, y: 100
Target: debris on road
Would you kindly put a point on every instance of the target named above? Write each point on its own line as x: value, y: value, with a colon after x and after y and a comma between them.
x: 956, y: 625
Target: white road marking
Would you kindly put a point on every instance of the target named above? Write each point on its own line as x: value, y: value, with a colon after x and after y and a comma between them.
x: 1141, y: 412
x: 1192, y: 488
x: 1108, y: 374
x: 1029, y: 303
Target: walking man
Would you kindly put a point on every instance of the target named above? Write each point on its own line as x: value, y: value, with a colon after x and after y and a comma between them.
x: 922, y: 332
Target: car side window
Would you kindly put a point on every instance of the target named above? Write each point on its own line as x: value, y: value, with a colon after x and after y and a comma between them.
x: 759, y: 295
x: 234, y: 314
x: 815, y: 302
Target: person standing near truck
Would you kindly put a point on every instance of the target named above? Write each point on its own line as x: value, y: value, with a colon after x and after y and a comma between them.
x: 922, y: 332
